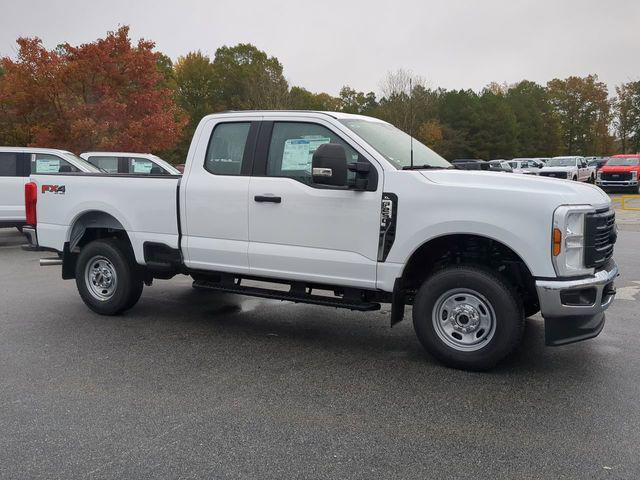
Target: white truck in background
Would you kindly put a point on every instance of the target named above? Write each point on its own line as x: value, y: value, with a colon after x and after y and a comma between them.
x: 342, y: 210
x: 17, y: 164
x: 130, y: 163
x: 569, y: 168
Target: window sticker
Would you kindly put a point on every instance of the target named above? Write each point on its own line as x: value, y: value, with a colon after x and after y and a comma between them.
x: 141, y: 166
x: 298, y: 152
x: 46, y: 165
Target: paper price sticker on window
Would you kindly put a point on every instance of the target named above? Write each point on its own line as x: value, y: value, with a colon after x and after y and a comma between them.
x: 141, y: 166
x: 298, y: 152
x: 45, y: 165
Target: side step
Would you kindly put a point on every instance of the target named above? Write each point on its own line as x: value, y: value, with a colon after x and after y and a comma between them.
x: 297, y: 293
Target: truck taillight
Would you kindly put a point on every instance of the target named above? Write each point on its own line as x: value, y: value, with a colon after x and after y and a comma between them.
x: 30, y: 201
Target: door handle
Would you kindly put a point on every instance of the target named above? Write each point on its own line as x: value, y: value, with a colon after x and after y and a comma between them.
x: 267, y: 198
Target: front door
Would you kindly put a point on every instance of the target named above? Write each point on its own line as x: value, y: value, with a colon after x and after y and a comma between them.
x: 298, y: 230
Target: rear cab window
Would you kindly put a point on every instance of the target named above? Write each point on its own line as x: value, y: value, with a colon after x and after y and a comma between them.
x: 8, y: 164
x: 226, y: 148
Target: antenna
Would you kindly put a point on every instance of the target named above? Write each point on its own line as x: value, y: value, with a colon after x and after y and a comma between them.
x: 411, y: 117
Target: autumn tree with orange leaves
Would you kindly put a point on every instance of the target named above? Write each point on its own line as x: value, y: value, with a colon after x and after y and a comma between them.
x: 104, y: 95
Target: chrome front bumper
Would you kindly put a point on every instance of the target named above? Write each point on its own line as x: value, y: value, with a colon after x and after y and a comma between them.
x: 568, y: 320
x: 613, y: 183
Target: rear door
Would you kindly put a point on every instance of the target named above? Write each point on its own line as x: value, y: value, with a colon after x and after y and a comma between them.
x: 214, y: 196
x: 14, y: 173
x: 302, y: 231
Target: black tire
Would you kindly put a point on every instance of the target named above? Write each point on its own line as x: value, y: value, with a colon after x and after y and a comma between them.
x: 116, y: 257
x: 500, y: 299
x: 530, y: 309
x: 575, y: 179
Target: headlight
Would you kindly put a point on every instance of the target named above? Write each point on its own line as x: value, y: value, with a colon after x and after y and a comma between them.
x: 634, y: 175
x: 599, y: 175
x: 567, y: 243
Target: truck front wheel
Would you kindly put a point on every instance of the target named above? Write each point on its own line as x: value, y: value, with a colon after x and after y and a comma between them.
x: 106, y: 277
x: 468, y: 317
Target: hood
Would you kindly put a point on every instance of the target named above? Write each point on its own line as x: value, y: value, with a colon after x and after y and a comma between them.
x: 620, y: 168
x: 557, y: 169
x: 559, y: 192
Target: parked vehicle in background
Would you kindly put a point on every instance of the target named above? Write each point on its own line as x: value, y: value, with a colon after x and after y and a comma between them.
x: 470, y: 164
x: 17, y: 163
x: 597, y: 162
x: 335, y: 207
x: 527, y: 166
x: 620, y: 172
x: 130, y: 163
x: 541, y: 160
x: 500, y: 166
x: 571, y: 168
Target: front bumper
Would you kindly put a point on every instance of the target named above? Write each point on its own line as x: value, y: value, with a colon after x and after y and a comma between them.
x: 573, y: 309
x: 621, y: 183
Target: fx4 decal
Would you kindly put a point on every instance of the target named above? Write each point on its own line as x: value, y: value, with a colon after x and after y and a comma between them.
x: 57, y: 189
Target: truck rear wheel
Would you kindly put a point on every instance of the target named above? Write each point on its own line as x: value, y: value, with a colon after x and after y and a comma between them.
x: 468, y: 317
x: 106, y: 277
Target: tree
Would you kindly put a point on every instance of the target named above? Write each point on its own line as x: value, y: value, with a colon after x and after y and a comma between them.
x: 537, y: 128
x: 249, y: 79
x: 352, y: 101
x: 627, y: 116
x: 104, y: 95
x: 583, y: 109
x: 302, y: 99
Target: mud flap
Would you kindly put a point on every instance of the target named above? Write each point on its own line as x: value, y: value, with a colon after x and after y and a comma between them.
x: 565, y: 330
x: 397, y: 303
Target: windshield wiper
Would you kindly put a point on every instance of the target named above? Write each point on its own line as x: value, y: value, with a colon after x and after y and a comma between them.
x: 425, y: 167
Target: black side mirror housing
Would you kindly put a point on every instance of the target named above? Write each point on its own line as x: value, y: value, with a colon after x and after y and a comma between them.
x: 329, y: 165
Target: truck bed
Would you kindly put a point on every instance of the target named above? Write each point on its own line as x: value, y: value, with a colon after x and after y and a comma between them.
x: 145, y: 206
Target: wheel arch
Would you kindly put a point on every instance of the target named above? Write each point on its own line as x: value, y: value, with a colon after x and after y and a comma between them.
x: 468, y: 248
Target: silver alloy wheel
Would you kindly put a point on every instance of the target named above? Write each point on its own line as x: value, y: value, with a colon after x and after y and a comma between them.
x: 464, y: 319
x: 101, y: 278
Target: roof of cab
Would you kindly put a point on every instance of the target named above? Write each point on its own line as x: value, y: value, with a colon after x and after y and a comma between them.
x: 301, y: 113
x: 33, y: 150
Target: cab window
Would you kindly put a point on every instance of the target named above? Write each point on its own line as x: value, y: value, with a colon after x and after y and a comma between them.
x: 47, y: 163
x: 108, y: 164
x: 137, y: 165
x: 225, y: 150
x: 292, y: 147
x: 8, y: 164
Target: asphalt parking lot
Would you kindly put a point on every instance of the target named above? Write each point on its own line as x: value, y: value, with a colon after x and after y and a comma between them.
x: 193, y: 384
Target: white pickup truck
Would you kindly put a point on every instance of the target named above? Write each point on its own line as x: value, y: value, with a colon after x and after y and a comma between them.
x: 17, y: 164
x: 569, y: 168
x: 339, y: 210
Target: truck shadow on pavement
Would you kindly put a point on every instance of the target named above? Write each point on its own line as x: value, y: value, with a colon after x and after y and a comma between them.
x: 290, y: 328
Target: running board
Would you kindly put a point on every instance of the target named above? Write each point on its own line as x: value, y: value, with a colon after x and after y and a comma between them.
x: 297, y: 294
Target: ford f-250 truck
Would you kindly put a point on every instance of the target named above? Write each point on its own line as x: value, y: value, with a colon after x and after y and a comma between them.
x: 342, y: 211
x: 620, y: 172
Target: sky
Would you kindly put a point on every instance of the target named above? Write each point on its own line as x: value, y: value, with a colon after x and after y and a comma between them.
x: 326, y: 44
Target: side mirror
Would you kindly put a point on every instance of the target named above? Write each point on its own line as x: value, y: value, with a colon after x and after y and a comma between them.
x: 329, y: 165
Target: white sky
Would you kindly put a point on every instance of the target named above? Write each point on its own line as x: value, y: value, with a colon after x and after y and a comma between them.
x: 326, y: 44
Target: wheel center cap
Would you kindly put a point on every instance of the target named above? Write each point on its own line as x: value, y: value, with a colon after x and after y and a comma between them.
x: 465, y: 318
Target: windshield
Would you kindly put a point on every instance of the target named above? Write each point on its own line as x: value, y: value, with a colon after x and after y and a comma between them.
x: 394, y: 145
x: 81, y: 163
x: 561, y: 162
x: 624, y: 162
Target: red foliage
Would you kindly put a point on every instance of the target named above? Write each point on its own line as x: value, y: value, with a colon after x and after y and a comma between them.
x: 105, y: 95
